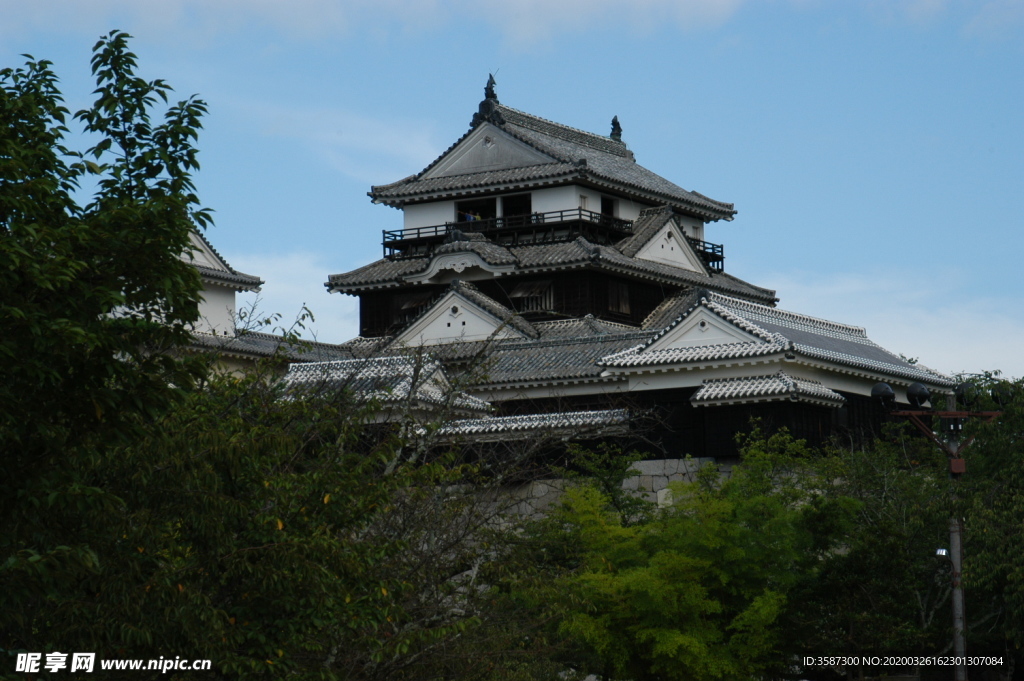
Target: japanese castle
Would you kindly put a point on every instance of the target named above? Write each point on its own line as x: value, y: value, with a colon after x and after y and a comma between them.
x: 585, y: 286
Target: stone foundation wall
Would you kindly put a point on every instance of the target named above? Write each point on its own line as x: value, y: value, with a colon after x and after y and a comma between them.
x: 652, y: 481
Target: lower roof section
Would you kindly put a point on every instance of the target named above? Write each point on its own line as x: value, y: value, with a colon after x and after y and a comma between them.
x: 573, y: 424
x: 770, y: 388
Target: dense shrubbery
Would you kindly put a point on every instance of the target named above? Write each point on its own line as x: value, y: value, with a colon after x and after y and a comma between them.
x: 152, y: 508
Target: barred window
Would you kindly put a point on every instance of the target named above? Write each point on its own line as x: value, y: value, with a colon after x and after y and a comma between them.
x: 533, y: 296
x: 618, y: 297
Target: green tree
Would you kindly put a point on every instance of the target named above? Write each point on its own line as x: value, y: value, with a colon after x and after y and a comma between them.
x: 994, y: 527
x: 95, y: 304
x: 694, y: 591
x: 881, y: 592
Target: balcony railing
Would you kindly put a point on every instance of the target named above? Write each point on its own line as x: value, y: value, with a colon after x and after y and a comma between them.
x: 713, y: 255
x: 535, y: 228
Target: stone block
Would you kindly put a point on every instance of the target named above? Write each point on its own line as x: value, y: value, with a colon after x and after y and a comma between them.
x: 654, y: 467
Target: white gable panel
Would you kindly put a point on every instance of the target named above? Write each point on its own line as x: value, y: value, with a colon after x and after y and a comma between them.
x: 702, y: 327
x: 487, y: 148
x: 670, y: 247
x: 201, y: 254
x: 454, y: 319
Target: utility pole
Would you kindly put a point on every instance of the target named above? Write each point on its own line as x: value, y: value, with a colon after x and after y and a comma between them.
x: 952, y: 422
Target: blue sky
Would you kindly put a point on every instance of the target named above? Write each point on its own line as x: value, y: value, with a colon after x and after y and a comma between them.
x: 873, y: 148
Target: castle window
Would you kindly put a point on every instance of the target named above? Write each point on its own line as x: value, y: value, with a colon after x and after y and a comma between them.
x: 533, y: 296
x: 608, y: 206
x: 618, y: 297
x: 475, y: 210
x: 411, y: 305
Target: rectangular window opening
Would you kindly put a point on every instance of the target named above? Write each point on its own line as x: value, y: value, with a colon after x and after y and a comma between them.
x: 618, y: 297
x: 533, y: 296
x: 476, y: 210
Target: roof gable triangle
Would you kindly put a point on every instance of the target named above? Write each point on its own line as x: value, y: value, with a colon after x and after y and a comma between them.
x: 669, y: 246
x: 452, y: 319
x: 485, y: 149
x: 701, y: 327
x: 203, y: 254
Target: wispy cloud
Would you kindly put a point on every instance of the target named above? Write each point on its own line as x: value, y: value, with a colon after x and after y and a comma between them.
x: 522, y: 22
x: 294, y: 281
x: 368, y: 149
x: 520, y: 19
x: 996, y: 19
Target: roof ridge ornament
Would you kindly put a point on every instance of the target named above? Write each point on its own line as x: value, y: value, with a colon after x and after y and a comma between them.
x: 616, y: 129
x: 488, y: 110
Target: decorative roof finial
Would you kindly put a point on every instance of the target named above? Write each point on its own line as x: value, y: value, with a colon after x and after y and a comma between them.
x: 616, y: 129
x: 489, y: 107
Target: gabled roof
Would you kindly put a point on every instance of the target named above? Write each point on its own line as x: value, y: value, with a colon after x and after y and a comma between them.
x: 389, y: 380
x: 500, y: 316
x: 214, y: 268
x: 534, y: 258
x: 575, y: 156
x: 565, y: 424
x: 773, y: 387
x: 256, y: 345
x: 517, y: 364
x: 772, y: 331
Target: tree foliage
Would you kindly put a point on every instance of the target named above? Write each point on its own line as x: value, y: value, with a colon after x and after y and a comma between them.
x: 94, y: 302
x: 693, y: 591
x: 151, y: 508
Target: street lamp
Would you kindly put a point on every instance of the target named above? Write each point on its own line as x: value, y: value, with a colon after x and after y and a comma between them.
x: 951, y: 422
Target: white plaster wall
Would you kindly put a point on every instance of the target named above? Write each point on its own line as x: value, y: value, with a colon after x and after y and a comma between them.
x: 543, y: 200
x: 630, y: 210
x: 556, y: 198
x: 427, y: 214
x: 467, y: 323
x: 216, y: 310
x: 691, y: 226
x: 593, y: 199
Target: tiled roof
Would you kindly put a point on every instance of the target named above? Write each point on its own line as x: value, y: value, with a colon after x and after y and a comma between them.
x: 519, y: 363
x: 494, y: 308
x: 490, y: 252
x: 670, y: 309
x: 778, y: 330
x: 576, y: 156
x: 637, y: 357
x: 575, y: 423
x: 389, y: 380
x: 546, y: 257
x: 379, y: 273
x: 234, y: 278
x: 229, y: 275
x: 606, y: 159
x: 501, y: 314
x: 412, y: 188
x: 254, y: 344
x: 645, y: 227
x: 580, y: 328
x: 777, y: 386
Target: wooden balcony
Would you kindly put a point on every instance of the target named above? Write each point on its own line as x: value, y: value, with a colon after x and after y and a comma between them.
x: 713, y: 255
x: 536, y: 228
x: 511, y: 230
